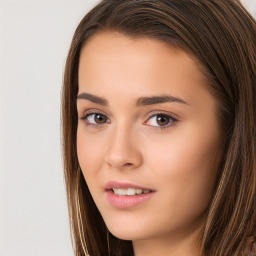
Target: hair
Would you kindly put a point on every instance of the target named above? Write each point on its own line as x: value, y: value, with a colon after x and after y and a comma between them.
x: 221, y: 37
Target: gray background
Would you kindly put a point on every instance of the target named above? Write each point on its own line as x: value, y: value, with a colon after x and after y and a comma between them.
x: 34, y: 41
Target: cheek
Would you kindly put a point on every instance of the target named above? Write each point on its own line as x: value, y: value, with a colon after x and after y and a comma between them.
x: 89, y: 152
x: 184, y: 167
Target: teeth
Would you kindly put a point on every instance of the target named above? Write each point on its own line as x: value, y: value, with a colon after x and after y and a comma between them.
x: 138, y: 191
x: 129, y: 191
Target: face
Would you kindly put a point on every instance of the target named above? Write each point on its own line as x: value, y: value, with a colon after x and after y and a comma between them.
x: 147, y: 139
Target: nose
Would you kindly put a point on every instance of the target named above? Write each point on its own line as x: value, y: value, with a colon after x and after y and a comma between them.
x: 123, y: 150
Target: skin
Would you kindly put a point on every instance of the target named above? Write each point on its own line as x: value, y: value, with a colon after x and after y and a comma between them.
x: 177, y: 159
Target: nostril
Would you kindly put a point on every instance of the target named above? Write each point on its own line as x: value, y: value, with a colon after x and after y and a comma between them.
x: 127, y: 164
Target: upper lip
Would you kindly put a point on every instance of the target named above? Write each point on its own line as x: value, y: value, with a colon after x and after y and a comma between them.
x: 118, y: 184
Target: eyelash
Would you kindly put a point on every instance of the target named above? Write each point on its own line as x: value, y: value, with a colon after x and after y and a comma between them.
x: 172, y: 121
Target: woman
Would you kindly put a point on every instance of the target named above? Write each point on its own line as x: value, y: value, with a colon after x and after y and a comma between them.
x: 159, y: 122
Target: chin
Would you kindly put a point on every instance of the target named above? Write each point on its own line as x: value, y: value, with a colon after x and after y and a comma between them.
x: 123, y: 236
x: 125, y: 232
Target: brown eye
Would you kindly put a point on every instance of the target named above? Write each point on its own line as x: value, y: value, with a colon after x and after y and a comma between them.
x: 100, y: 119
x: 96, y: 118
x: 162, y: 120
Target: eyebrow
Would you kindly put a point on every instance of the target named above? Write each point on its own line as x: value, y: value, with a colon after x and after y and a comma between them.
x: 143, y: 101
x: 93, y: 98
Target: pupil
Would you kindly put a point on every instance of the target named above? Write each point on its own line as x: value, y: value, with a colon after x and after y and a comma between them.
x: 100, y: 119
x: 162, y: 120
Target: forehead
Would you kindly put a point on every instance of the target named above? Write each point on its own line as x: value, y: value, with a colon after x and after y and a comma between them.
x: 111, y: 60
x: 123, y: 48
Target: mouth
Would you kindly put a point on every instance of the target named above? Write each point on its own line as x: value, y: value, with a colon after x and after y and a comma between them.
x: 126, y: 195
x: 130, y: 191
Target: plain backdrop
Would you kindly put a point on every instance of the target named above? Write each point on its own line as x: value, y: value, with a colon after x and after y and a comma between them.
x: 34, y: 40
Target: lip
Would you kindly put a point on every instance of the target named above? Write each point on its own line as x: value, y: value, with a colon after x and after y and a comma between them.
x: 126, y: 201
x: 117, y: 184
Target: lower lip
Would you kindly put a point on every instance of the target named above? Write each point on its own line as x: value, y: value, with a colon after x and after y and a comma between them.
x: 127, y: 201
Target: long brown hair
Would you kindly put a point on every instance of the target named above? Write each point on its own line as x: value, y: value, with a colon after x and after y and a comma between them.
x: 221, y: 36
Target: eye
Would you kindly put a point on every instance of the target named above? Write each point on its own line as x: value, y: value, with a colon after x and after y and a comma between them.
x: 96, y: 118
x: 161, y: 120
